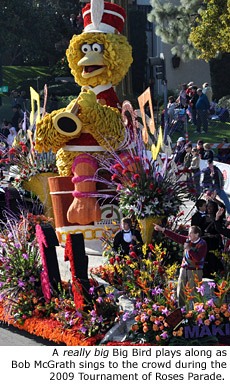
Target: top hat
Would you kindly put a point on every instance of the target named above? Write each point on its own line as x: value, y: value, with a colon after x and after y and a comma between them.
x: 103, y: 17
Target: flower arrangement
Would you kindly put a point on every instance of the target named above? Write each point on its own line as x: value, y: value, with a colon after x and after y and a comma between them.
x: 137, y: 275
x: 152, y: 324
x: 23, y: 163
x: 145, y: 187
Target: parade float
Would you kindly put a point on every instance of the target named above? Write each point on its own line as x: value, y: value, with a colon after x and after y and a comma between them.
x: 94, y: 146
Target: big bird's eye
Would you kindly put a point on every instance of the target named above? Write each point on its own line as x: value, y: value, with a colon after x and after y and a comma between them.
x: 86, y: 48
x: 97, y: 47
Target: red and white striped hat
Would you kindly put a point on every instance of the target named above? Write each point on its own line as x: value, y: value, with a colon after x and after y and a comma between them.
x: 103, y: 17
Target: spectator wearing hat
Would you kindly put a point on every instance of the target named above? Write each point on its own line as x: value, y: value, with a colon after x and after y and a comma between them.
x: 180, y: 151
x: 207, y: 90
x: 208, y: 153
x: 202, y: 109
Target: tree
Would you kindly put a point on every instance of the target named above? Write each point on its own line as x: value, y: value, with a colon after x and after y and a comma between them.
x: 31, y: 29
x: 211, y: 36
x: 174, y: 23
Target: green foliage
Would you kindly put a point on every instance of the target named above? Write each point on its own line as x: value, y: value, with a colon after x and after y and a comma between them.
x: 211, y: 36
x: 225, y: 102
x: 35, y: 31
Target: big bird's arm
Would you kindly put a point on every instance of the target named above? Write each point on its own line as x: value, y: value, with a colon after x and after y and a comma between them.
x: 103, y: 122
x: 47, y: 137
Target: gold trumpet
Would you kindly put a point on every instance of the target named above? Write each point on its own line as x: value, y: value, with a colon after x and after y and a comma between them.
x: 67, y: 122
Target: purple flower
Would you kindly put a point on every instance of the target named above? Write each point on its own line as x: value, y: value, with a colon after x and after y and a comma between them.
x: 211, y: 285
x: 25, y: 256
x: 100, y: 300
x: 210, y: 302
x: 93, y: 313
x: 21, y: 283
x: 32, y: 279
x: 71, y: 322
x: 66, y: 315
x: 211, y: 317
x: 17, y: 245
x: 10, y: 235
x: 110, y: 296
x: 138, y: 304
x: 144, y: 316
x: 78, y: 314
x: 155, y: 307
x: 199, y: 308
x: 100, y: 319
x: 125, y: 316
x: 146, y: 300
x: 1, y: 284
x: 83, y: 329
x: 165, y: 311
x: 91, y: 290
x: 164, y: 335
x: 200, y: 289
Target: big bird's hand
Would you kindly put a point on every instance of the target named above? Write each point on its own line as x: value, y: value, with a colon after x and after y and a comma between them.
x: 87, y: 99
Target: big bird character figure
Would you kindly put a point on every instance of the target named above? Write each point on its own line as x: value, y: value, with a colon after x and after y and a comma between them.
x: 99, y: 59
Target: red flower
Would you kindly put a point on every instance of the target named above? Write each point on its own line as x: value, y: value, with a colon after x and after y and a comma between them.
x: 134, y: 185
x: 117, y: 258
x: 136, y: 176
x: 128, y: 262
x: 137, y: 273
x: 125, y: 171
x: 151, y: 186
x: 133, y: 254
x: 12, y: 150
x: 151, y: 247
x: 137, y: 158
x: 159, y: 190
x: 114, y: 176
x: 111, y: 260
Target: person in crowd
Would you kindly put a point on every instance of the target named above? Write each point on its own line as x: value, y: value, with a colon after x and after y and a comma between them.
x: 200, y: 147
x: 202, y: 110
x: 208, y: 153
x: 171, y: 108
x: 12, y: 134
x: 195, y: 250
x: 195, y: 170
x: 5, y: 129
x: 213, y: 240
x: 180, y: 152
x: 15, y: 98
x: 198, y: 217
x: 183, y: 98
x: 193, y: 100
x: 213, y: 180
x: 187, y: 162
x: 207, y: 90
x: 16, y: 117
x: 220, y: 227
x: 127, y: 236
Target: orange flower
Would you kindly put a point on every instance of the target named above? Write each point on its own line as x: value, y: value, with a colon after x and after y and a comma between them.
x: 155, y: 327
x: 152, y: 318
x: 227, y: 314
x: 161, y: 318
x: 149, y: 312
x: 134, y: 327
x: 158, y: 338
x: 217, y: 322
x: 145, y: 329
x: 180, y: 333
x: 137, y: 318
x: 174, y: 333
x: 207, y: 322
x: 217, y: 310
